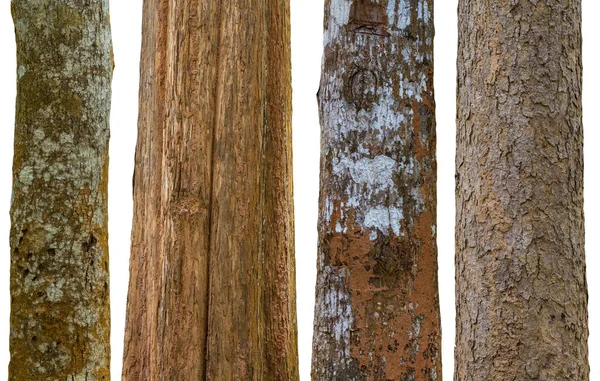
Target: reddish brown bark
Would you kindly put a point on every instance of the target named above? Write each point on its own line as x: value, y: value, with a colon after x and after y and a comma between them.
x: 212, y: 292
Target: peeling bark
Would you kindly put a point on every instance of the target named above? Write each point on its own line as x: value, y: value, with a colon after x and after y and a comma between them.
x: 377, y: 310
x: 212, y: 287
x: 520, y: 266
x: 60, y: 318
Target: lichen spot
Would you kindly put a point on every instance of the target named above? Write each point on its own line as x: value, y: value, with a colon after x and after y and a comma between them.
x: 26, y: 175
x: 21, y: 71
x: 85, y: 316
x: 367, y: 17
x: 54, y: 292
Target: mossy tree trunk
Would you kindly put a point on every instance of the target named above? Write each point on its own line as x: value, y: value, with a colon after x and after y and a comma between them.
x: 377, y: 310
x: 60, y: 318
x: 520, y: 265
x: 212, y: 287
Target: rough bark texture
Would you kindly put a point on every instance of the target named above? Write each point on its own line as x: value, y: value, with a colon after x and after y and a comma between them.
x: 212, y: 288
x: 60, y: 318
x: 377, y: 311
x: 521, y: 289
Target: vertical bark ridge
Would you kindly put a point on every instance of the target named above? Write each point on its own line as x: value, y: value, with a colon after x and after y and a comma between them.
x: 377, y: 310
x: 281, y: 325
x: 520, y: 266
x: 60, y: 315
x: 212, y: 173
x: 174, y: 184
x: 220, y: 221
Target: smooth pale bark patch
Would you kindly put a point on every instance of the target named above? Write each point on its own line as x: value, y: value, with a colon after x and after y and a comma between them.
x: 60, y: 317
x: 520, y: 265
x: 377, y: 314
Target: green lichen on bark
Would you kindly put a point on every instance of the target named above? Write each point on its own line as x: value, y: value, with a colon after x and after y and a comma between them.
x: 60, y: 321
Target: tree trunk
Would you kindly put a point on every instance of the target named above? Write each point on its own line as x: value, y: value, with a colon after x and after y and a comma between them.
x: 60, y: 318
x: 377, y: 310
x: 521, y: 289
x: 212, y: 288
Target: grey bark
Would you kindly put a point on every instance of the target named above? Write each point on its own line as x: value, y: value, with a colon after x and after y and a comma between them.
x: 520, y: 266
x: 60, y: 318
x: 377, y: 311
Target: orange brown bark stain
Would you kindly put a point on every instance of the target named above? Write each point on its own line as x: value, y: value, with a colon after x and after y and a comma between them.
x: 426, y: 285
x: 383, y: 339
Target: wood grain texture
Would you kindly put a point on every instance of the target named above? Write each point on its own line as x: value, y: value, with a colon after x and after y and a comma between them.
x: 520, y: 266
x: 377, y: 310
x: 212, y: 287
x: 60, y: 316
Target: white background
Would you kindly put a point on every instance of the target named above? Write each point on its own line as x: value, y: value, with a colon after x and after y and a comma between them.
x: 307, y: 21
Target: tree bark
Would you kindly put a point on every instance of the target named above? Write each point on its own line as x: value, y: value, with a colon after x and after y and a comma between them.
x: 60, y: 317
x: 521, y: 289
x: 377, y: 310
x: 212, y: 287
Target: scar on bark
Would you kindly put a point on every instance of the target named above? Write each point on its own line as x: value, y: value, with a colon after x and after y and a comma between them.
x: 367, y: 17
x: 362, y: 88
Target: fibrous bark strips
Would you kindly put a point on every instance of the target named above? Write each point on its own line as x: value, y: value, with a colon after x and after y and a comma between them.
x: 212, y: 288
x: 520, y: 271
x: 377, y: 311
x: 59, y: 237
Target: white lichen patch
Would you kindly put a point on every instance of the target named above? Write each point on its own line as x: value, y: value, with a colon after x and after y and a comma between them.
x: 66, y: 138
x: 21, y: 70
x: 50, y: 230
x: 433, y: 375
x: 49, y: 146
x: 375, y: 173
x: 383, y: 219
x: 423, y: 12
x: 334, y: 305
x: 54, y: 292
x: 85, y: 316
x: 402, y: 19
x: 26, y: 175
x: 40, y: 368
x: 339, y: 11
x: 99, y: 217
x: 38, y: 135
x: 370, y: 190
